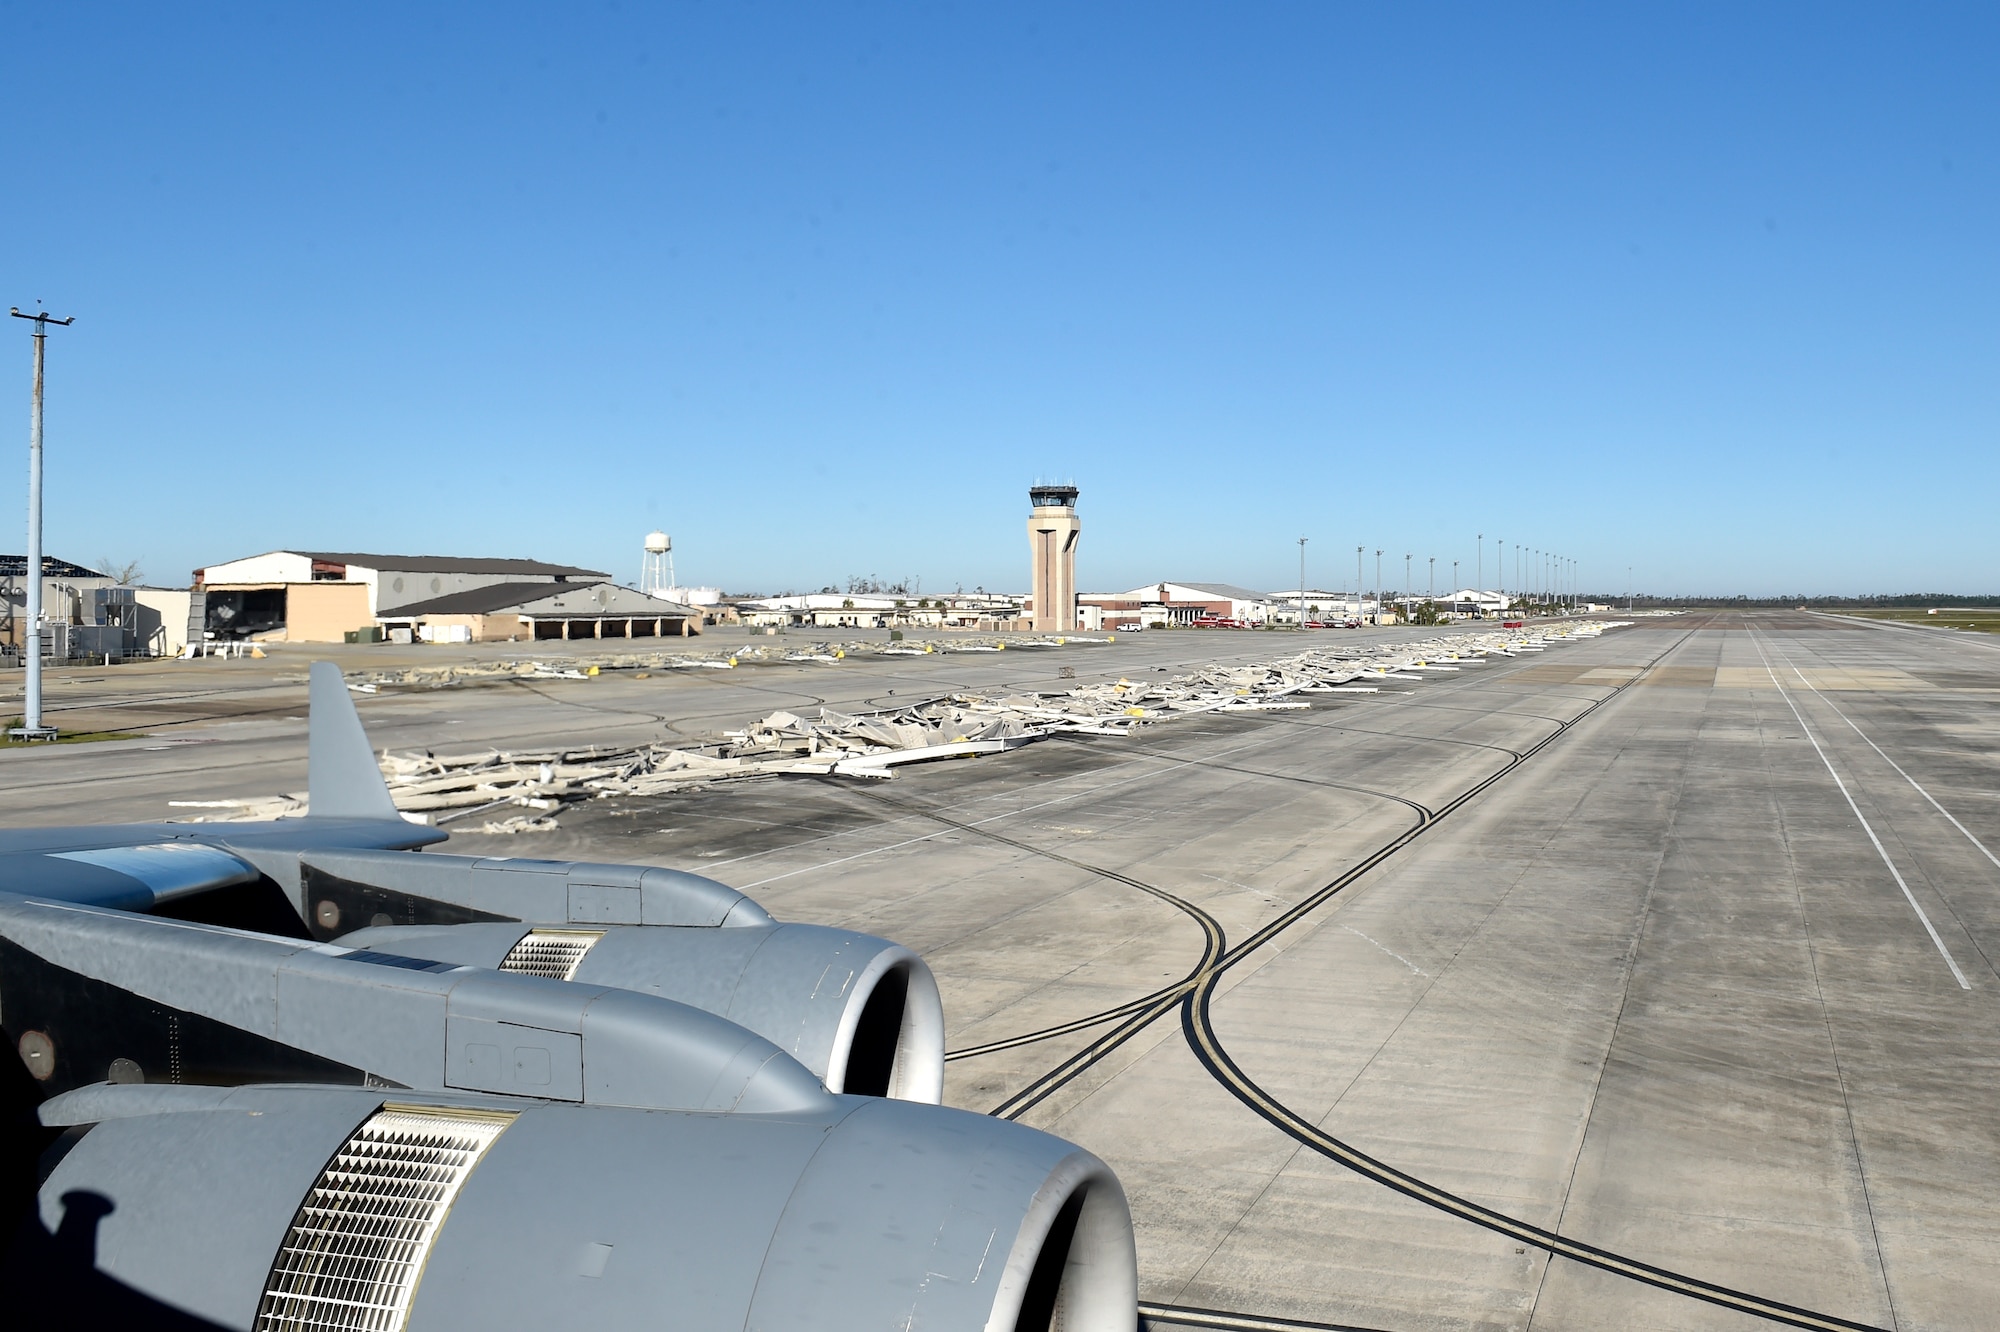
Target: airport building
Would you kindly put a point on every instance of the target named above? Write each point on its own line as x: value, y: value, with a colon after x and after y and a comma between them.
x: 510, y: 612
x: 1184, y: 603
x: 88, y: 615
x: 852, y: 610
x: 322, y: 596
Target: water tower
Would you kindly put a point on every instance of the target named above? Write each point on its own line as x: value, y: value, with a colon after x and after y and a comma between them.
x: 657, y: 575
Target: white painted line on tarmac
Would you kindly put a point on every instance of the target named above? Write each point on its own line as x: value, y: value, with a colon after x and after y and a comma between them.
x: 1880, y: 850
x: 1385, y: 948
x: 1891, y: 762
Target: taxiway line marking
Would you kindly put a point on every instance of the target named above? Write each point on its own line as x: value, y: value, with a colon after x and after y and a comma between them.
x: 1891, y: 762
x: 1866, y: 827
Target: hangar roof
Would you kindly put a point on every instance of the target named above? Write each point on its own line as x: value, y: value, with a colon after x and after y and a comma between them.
x: 613, y: 601
x: 448, y: 564
x: 16, y: 566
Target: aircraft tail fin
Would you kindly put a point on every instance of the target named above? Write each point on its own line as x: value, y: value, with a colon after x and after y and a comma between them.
x: 342, y: 779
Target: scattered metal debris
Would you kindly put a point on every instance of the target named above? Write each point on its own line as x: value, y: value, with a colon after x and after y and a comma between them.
x: 445, y: 789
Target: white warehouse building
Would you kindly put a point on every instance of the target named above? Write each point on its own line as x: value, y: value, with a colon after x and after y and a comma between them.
x: 393, y: 581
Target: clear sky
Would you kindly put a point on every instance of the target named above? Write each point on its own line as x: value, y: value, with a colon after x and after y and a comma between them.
x: 821, y: 288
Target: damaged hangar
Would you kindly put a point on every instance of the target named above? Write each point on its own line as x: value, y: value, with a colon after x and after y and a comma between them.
x: 324, y: 596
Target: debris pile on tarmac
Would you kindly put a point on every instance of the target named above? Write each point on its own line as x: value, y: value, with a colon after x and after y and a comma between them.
x: 445, y: 789
x: 575, y: 665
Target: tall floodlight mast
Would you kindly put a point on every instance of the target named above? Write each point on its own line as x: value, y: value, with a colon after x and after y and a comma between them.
x: 31, y: 727
x: 1302, y: 584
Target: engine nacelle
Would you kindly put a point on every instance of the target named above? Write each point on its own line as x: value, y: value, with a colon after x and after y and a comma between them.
x: 342, y: 890
x: 264, y: 1206
x: 90, y: 995
x: 861, y: 1012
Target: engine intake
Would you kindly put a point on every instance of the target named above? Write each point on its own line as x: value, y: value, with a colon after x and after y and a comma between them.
x: 214, y: 1202
x: 862, y: 1013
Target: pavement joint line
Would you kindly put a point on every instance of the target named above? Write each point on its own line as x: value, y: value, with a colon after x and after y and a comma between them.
x: 1866, y: 827
x: 978, y: 823
x: 1886, y: 759
x: 1840, y: 1078
x: 1385, y: 948
x: 1197, y: 1024
x: 1204, y: 977
x: 1630, y: 967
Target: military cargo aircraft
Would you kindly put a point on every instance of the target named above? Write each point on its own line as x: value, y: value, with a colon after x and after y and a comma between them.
x: 306, y: 1074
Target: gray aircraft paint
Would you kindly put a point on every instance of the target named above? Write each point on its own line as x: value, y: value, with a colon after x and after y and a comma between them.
x: 864, y: 1214
x: 668, y: 1154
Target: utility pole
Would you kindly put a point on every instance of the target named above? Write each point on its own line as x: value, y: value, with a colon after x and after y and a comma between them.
x: 1302, y: 584
x: 31, y: 727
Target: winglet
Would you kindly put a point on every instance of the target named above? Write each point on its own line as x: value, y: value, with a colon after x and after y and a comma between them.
x: 342, y: 779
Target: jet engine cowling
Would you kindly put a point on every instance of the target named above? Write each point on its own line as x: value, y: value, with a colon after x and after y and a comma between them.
x: 260, y: 1207
x: 861, y: 1012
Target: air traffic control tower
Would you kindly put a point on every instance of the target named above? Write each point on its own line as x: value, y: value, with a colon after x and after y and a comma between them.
x: 1052, y: 531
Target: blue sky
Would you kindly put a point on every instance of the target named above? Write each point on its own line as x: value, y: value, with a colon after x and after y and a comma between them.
x: 1705, y: 291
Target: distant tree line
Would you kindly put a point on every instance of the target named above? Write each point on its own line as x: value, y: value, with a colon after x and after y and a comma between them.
x: 1887, y: 602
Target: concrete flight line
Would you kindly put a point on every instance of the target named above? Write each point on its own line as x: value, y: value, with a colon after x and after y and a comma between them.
x: 1194, y: 995
x: 1866, y: 827
x: 1198, y: 1025
x: 1886, y: 759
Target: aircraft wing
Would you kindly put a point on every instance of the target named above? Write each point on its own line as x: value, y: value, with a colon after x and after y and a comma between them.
x: 437, y: 1092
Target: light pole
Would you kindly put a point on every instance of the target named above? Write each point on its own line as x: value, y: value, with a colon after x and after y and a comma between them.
x: 1406, y: 585
x: 1500, y: 569
x: 1479, y: 567
x: 1454, y: 586
x: 31, y: 727
x: 1360, y: 582
x: 1302, y: 584
x: 1378, y: 587
x: 1433, y: 593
